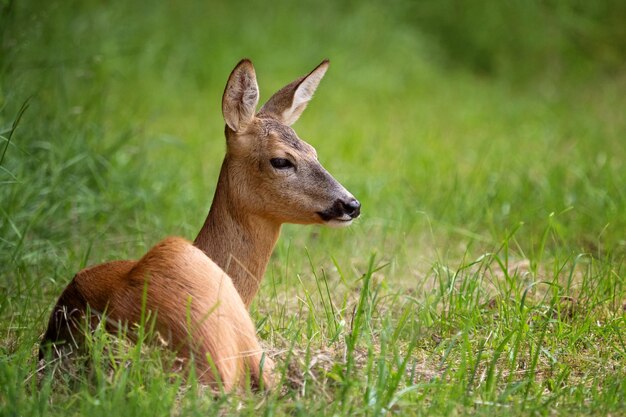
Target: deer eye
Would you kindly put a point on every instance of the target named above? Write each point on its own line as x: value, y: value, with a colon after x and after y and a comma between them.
x: 281, y: 163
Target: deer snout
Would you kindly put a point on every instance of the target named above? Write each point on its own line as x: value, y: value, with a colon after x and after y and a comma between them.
x: 341, y: 212
x: 351, y: 207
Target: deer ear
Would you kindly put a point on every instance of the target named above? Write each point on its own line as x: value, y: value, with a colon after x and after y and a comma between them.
x: 290, y: 101
x: 241, y: 96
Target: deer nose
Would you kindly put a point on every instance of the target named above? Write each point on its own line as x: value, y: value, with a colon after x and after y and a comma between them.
x: 352, y: 208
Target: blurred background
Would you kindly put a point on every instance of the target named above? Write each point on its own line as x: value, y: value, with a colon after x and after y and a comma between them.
x: 485, y: 140
x: 455, y: 122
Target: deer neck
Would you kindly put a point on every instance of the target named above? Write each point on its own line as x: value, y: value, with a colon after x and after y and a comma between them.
x: 239, y: 242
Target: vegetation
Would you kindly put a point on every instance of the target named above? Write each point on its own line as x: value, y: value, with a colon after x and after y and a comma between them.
x: 486, y: 144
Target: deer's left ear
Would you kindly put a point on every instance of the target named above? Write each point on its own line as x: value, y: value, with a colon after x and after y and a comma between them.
x: 290, y: 101
x: 240, y: 96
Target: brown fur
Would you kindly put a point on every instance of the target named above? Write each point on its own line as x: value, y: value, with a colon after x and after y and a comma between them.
x: 215, y: 281
x: 180, y: 281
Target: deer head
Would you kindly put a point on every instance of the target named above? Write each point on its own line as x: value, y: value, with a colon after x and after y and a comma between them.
x: 272, y: 173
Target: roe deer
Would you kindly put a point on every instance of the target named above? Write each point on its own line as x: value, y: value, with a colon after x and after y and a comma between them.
x: 269, y: 176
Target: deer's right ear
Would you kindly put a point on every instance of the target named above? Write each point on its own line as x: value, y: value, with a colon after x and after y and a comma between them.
x: 241, y: 96
x: 290, y: 101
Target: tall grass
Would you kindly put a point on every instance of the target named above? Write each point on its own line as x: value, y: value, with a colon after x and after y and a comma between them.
x: 486, y: 274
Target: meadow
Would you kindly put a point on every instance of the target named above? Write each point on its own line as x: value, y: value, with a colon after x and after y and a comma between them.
x: 486, y: 144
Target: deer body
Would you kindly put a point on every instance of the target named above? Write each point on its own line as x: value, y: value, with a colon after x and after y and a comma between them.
x: 199, y: 293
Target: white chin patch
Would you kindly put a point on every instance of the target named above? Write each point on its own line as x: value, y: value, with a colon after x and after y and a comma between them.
x: 338, y: 223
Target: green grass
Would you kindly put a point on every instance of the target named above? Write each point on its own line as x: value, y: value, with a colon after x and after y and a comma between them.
x: 486, y: 275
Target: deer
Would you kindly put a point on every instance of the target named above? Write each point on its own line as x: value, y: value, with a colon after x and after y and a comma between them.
x: 199, y: 292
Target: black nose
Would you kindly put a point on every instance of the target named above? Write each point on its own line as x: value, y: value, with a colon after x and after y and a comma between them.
x: 352, y: 208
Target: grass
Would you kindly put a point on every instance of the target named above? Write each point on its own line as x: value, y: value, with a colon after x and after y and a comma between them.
x: 485, y: 276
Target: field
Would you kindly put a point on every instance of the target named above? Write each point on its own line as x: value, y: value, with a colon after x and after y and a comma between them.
x: 486, y: 275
